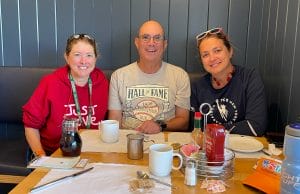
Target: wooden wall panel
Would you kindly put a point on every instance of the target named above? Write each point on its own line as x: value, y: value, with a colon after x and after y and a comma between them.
x: 264, y: 38
x: 121, y: 39
x: 270, y: 80
x: 160, y: 11
x: 28, y: 33
x: 290, y: 64
x: 197, y: 23
x: 65, y: 27
x: 294, y: 111
x: 178, y: 26
x: 84, y: 19
x: 10, y: 33
x: 1, y: 38
x: 277, y: 64
x: 218, y: 14
x: 140, y: 12
x: 102, y: 29
x: 238, y: 22
x: 47, y: 37
x: 254, y: 33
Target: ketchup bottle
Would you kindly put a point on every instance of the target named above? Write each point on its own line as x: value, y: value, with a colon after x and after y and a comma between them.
x: 215, y: 137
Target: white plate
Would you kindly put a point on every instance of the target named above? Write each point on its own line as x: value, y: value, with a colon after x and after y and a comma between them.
x: 244, y: 144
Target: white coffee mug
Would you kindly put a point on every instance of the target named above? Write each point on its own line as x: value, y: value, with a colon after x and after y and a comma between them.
x: 161, y: 159
x: 109, y: 131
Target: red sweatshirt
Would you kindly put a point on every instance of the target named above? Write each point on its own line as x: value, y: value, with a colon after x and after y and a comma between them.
x: 53, y: 98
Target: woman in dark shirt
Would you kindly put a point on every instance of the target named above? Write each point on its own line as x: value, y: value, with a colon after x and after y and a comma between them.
x: 235, y: 93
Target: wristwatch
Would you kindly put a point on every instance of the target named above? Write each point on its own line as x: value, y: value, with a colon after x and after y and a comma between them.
x: 163, y: 125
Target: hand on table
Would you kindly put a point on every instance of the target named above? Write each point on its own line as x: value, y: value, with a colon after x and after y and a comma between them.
x: 149, y: 127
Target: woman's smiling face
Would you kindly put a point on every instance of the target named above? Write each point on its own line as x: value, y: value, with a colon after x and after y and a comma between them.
x: 215, y: 56
x: 81, y: 59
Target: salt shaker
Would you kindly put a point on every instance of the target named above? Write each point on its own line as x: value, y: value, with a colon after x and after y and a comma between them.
x: 190, y: 173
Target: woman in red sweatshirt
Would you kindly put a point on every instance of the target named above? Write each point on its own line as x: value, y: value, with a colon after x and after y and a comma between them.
x: 79, y: 89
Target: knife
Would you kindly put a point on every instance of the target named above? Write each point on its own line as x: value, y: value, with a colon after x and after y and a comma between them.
x: 37, y: 188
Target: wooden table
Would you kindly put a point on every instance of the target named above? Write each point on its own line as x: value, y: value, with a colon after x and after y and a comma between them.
x: 243, y: 167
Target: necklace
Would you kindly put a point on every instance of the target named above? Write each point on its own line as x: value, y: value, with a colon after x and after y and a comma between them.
x: 228, y: 78
x: 76, y: 100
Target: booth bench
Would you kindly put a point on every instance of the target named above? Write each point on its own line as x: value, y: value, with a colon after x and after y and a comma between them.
x: 16, y: 86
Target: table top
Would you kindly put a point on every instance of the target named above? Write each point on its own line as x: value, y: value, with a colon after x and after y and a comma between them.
x: 242, y: 168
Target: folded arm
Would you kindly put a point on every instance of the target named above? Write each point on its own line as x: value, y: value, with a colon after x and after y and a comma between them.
x: 178, y: 123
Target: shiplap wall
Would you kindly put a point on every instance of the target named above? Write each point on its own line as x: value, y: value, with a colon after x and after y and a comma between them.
x: 33, y: 33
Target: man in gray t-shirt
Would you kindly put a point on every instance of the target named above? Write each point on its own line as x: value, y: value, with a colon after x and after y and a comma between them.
x: 150, y: 95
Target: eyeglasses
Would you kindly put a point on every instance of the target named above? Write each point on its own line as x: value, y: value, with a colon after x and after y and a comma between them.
x: 211, y: 31
x: 147, y: 38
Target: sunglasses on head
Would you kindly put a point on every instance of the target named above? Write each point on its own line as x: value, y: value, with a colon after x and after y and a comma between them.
x: 211, y: 31
x: 78, y: 36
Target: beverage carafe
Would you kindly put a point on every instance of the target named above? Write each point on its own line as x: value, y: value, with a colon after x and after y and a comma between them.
x: 70, y: 142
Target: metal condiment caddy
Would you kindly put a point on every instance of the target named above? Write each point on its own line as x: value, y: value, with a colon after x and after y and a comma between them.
x: 212, y: 170
x: 222, y: 169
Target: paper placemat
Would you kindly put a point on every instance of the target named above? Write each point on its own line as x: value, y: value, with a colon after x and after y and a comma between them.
x: 91, y: 141
x: 104, y: 178
x: 53, y: 162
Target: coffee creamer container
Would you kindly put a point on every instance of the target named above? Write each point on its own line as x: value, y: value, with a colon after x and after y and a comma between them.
x: 290, y: 170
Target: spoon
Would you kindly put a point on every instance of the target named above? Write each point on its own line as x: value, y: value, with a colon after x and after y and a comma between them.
x: 144, y: 175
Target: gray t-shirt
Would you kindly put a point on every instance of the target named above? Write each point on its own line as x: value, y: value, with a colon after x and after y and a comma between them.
x: 143, y: 96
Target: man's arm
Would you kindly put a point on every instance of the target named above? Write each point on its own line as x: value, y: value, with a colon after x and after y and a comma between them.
x: 182, y: 104
x: 180, y: 121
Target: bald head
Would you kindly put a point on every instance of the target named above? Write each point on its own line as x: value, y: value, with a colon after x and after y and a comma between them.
x: 150, y: 44
x: 151, y: 26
